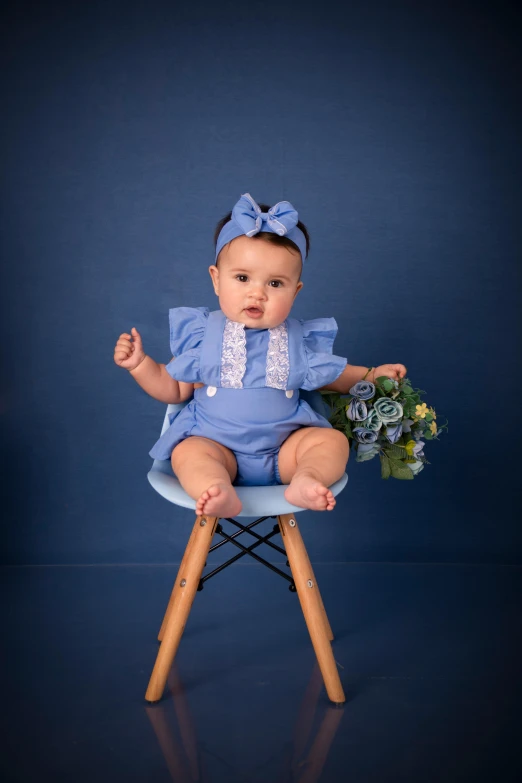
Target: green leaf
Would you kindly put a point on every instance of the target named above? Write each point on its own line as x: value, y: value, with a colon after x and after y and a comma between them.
x: 385, y: 466
x: 395, y: 451
x: 399, y: 470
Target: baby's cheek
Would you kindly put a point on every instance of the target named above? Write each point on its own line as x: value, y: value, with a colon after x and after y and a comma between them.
x: 287, y: 304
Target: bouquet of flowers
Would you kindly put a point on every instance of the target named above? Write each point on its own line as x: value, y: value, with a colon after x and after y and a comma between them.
x: 386, y: 418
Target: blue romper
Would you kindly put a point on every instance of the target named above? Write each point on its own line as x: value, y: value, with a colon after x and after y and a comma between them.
x: 250, y: 402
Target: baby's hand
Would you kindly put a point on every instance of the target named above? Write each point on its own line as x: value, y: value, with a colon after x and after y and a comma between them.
x: 129, y: 354
x: 394, y: 371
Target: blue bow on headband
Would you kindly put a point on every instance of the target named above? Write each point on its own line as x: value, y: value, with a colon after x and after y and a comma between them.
x: 248, y: 219
x: 281, y: 218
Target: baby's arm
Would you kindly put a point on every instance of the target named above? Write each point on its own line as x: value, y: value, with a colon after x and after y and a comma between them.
x: 151, y: 376
x: 156, y: 381
x: 349, y: 376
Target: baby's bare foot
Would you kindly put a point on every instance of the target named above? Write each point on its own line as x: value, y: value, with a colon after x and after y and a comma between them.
x: 306, y: 491
x: 219, y: 500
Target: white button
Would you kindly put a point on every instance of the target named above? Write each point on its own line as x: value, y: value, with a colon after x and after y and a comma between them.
x: 289, y: 393
x: 211, y: 390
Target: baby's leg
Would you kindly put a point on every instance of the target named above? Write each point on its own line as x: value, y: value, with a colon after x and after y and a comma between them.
x: 205, y: 470
x: 311, y: 459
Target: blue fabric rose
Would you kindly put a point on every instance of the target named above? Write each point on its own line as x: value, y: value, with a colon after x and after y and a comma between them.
x: 394, y: 432
x: 362, y: 435
x: 364, y: 390
x: 373, y: 422
x: 389, y: 411
x: 357, y: 410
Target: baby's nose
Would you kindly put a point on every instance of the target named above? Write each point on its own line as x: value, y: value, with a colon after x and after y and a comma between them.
x: 257, y: 292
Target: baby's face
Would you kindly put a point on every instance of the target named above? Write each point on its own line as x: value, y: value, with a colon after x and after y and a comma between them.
x: 256, y: 282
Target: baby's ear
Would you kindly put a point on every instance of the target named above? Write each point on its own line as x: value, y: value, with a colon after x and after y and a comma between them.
x: 298, y: 288
x: 214, y: 274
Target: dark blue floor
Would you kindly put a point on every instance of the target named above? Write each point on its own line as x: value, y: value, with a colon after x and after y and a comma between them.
x: 429, y: 657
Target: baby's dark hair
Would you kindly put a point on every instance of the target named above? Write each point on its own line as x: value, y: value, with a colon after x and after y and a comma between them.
x: 268, y: 236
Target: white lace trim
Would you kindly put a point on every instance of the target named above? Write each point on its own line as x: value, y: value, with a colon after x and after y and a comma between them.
x: 277, y: 361
x: 233, y: 355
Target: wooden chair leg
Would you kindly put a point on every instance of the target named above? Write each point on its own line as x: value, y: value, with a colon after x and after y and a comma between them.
x: 203, y: 534
x: 311, y: 605
x: 329, y: 631
x: 176, y: 589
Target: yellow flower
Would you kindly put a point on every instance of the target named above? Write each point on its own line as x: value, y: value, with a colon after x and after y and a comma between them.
x: 432, y: 411
x: 421, y: 410
x: 410, y: 446
x: 433, y: 428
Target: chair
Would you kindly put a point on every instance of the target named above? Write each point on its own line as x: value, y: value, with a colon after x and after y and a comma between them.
x: 261, y: 502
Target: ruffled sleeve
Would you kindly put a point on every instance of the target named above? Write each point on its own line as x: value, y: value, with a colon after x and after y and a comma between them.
x: 323, y: 366
x: 187, y: 329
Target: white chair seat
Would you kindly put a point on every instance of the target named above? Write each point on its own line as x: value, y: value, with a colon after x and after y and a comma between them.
x: 257, y: 501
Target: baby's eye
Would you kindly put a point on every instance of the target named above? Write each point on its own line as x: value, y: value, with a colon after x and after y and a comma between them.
x: 277, y: 283
x: 243, y: 276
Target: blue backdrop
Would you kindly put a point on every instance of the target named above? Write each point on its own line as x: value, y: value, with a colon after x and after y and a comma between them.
x: 130, y: 128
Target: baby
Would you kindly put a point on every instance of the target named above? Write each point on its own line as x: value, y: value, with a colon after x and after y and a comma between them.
x: 244, y: 365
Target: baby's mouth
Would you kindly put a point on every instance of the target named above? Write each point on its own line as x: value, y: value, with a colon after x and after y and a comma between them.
x: 254, y: 311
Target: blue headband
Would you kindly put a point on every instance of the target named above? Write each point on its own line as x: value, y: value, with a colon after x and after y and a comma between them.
x: 248, y: 219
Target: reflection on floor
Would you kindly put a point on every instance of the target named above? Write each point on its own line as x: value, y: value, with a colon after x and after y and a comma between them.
x: 302, y: 759
x: 428, y: 654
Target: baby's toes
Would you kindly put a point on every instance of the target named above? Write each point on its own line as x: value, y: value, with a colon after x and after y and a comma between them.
x: 212, y: 491
x: 320, y: 502
x: 202, y: 500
